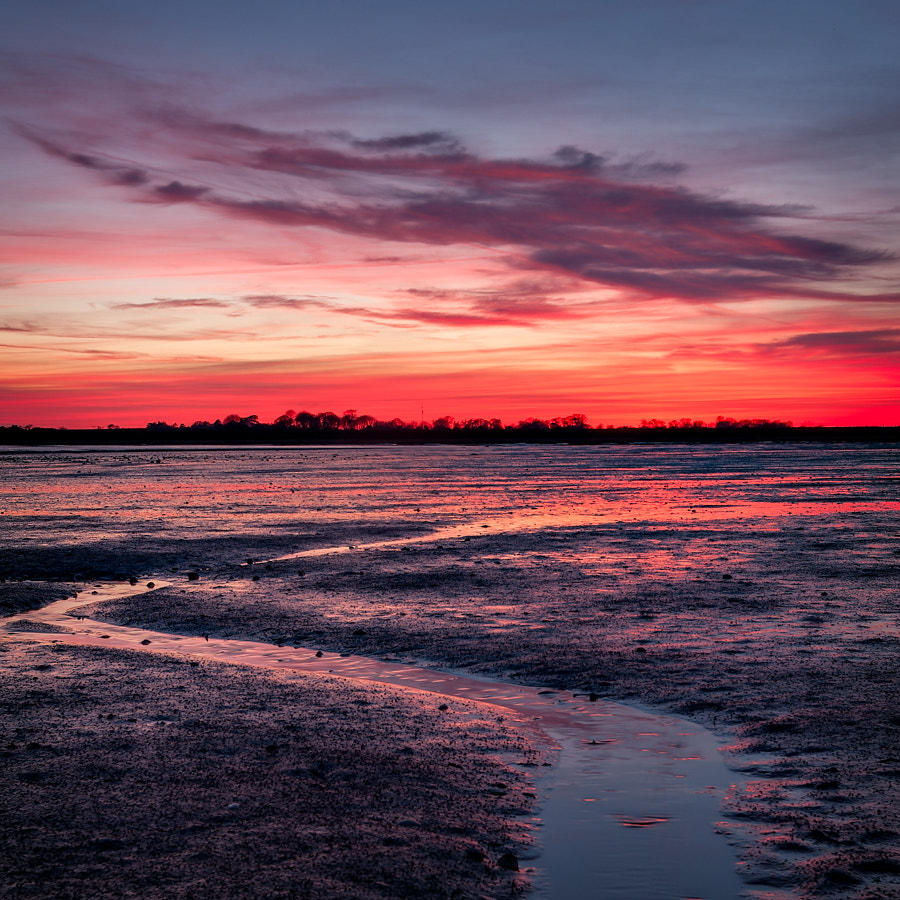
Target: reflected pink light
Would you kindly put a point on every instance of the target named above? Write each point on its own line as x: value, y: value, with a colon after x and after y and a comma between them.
x: 645, y: 822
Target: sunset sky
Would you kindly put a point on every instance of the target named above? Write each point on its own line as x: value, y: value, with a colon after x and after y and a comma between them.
x: 509, y: 208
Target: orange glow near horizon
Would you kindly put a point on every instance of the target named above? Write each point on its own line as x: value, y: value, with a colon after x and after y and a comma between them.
x: 181, y: 268
x: 477, y: 385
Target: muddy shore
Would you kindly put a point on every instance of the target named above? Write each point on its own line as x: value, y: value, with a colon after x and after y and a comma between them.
x: 752, y: 591
x: 803, y: 687
x: 135, y: 775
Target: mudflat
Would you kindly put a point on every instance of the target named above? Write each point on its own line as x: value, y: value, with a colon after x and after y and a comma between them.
x: 753, y: 590
x: 129, y: 774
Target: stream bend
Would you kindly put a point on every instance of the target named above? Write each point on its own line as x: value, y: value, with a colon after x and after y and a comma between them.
x: 630, y: 810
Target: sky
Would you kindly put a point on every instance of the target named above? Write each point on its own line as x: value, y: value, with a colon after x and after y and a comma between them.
x: 502, y: 208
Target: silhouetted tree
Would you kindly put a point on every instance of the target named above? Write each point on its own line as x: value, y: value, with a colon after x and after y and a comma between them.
x: 533, y: 425
x: 236, y: 421
x: 286, y: 419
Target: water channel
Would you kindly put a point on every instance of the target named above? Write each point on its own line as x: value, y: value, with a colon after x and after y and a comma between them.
x: 630, y: 809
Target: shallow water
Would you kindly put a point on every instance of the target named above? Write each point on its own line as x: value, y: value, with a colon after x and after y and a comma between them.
x: 90, y: 494
x: 631, y: 809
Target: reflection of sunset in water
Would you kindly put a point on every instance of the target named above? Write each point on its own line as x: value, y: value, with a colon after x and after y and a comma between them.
x: 497, y: 488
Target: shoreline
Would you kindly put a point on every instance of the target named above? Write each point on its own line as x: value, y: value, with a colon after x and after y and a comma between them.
x: 14, y: 438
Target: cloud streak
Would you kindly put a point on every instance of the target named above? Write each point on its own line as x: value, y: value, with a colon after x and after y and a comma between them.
x: 878, y: 341
x: 176, y: 303
x: 618, y: 227
x: 281, y: 301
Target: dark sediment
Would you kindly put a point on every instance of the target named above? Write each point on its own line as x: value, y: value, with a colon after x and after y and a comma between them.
x: 123, y: 557
x: 805, y: 685
x: 132, y: 775
x: 18, y: 597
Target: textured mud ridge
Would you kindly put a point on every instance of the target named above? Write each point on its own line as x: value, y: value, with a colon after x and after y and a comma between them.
x: 133, y: 775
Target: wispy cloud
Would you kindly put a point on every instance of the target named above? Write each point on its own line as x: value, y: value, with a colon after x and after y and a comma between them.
x: 176, y: 303
x: 619, y: 226
x: 89, y: 353
x: 79, y: 330
x: 281, y: 301
x: 877, y: 341
x: 523, y: 303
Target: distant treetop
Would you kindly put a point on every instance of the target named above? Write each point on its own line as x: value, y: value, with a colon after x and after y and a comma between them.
x: 352, y: 421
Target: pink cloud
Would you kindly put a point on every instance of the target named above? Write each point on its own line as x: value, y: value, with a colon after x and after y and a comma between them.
x: 572, y: 214
x: 280, y: 301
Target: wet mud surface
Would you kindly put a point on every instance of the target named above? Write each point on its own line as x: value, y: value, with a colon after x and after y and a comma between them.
x: 19, y: 597
x: 127, y: 774
x: 764, y: 606
x: 806, y: 690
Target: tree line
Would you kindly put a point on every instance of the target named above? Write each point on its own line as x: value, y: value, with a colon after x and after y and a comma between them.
x: 352, y: 427
x: 351, y: 421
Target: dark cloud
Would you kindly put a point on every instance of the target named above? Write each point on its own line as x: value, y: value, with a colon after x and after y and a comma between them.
x: 21, y: 328
x: 575, y: 213
x: 176, y: 192
x: 844, y: 343
x: 430, y: 141
x: 176, y: 303
x: 579, y: 160
x: 112, y: 171
x: 115, y: 172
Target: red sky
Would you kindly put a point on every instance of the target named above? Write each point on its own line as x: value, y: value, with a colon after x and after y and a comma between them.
x: 368, y: 217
